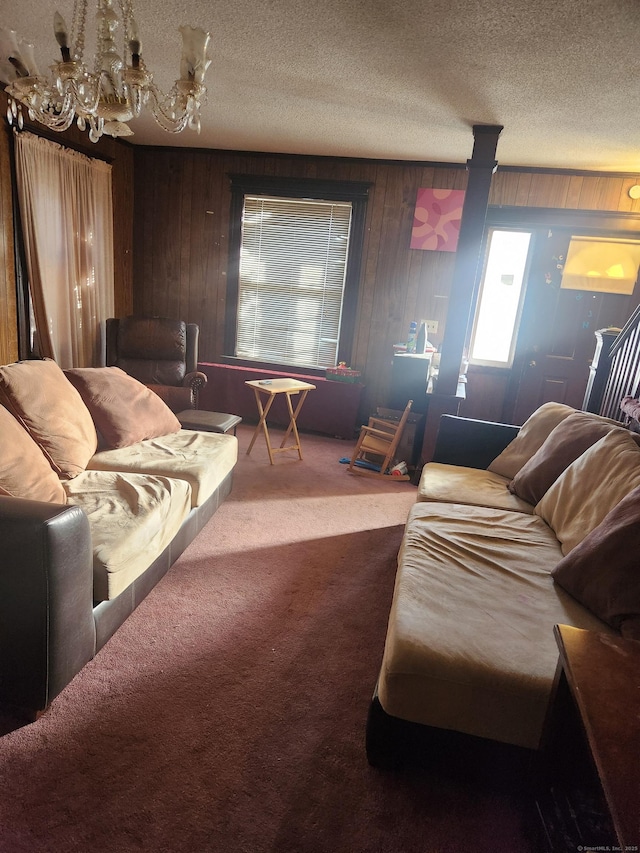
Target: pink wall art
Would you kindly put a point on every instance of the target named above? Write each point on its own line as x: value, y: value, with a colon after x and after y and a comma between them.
x: 436, y: 221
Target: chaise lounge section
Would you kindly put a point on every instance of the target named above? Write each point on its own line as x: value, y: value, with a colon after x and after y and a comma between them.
x: 492, y: 558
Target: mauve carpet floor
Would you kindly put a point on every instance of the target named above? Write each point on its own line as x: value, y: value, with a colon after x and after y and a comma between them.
x: 228, y: 713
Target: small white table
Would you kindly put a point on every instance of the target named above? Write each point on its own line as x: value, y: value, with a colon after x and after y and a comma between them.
x: 271, y: 388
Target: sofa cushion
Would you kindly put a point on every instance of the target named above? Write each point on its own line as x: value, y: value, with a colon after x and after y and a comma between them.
x: 602, y: 571
x: 124, y: 410
x: 24, y: 469
x: 563, y: 445
x: 590, y: 487
x: 52, y: 411
x: 203, y: 459
x: 474, y: 486
x: 133, y: 518
x: 530, y: 438
x: 470, y: 641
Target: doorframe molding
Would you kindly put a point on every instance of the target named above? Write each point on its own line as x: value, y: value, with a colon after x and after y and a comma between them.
x: 611, y: 222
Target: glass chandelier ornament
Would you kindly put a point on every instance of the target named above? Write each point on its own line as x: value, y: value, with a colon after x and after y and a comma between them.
x: 118, y: 87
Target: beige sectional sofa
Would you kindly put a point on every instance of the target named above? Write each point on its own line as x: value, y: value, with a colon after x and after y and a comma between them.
x: 100, y: 492
x: 542, y: 532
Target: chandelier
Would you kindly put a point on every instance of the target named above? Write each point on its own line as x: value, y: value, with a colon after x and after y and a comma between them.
x: 119, y: 86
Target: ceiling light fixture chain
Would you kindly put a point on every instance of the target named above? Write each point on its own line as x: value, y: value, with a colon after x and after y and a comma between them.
x: 78, y: 25
x: 117, y: 89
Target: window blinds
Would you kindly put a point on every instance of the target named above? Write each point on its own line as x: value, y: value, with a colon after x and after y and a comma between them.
x: 293, y: 261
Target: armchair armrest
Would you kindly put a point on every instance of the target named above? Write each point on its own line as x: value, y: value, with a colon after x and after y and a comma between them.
x: 196, y: 380
x: 177, y: 397
x: 471, y: 443
x: 47, y: 630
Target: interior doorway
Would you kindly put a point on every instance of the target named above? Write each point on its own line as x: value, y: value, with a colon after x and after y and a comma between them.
x: 556, y: 340
x: 554, y: 334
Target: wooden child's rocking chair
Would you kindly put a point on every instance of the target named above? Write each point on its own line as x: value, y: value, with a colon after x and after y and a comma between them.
x: 379, y: 438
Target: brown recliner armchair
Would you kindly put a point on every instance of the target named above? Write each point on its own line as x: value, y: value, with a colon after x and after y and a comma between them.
x: 161, y: 353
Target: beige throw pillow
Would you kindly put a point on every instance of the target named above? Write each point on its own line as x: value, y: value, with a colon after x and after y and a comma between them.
x: 24, y: 469
x: 530, y: 438
x: 591, y: 487
x: 38, y: 394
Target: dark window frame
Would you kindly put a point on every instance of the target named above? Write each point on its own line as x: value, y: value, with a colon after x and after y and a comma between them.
x: 355, y: 192
x: 26, y: 349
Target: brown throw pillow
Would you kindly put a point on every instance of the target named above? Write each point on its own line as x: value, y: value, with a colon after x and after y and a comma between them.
x: 51, y: 410
x: 565, y: 443
x: 602, y: 572
x: 24, y: 469
x: 124, y: 410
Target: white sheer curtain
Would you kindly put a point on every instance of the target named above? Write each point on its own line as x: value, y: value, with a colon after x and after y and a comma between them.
x: 67, y: 222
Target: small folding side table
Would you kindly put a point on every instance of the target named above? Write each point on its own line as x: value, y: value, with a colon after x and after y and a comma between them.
x: 270, y: 388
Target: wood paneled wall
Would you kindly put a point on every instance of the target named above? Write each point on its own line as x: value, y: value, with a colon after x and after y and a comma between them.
x: 580, y: 191
x: 181, y: 235
x: 175, y: 204
x: 182, y: 202
x: 120, y: 155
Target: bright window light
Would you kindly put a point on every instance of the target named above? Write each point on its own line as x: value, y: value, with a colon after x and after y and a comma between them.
x: 500, y: 298
x: 293, y: 264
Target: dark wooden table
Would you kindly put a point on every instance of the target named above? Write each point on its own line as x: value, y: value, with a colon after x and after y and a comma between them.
x: 602, y: 674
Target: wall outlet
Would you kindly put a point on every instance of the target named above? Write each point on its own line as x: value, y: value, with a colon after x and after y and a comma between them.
x: 432, y: 326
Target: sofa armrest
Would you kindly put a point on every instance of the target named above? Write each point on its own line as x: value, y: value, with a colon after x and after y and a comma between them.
x: 47, y: 630
x: 471, y: 443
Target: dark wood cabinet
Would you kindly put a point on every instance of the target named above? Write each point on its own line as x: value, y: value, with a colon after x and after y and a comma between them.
x: 409, y: 380
x: 589, y: 790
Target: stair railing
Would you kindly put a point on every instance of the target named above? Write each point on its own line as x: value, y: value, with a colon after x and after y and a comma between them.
x: 624, y: 372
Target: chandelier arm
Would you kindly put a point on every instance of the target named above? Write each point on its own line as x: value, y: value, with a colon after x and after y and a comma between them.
x: 86, y: 97
x: 159, y: 110
x: 55, y: 114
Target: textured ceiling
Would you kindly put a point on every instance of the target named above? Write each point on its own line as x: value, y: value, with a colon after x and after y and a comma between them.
x: 406, y: 81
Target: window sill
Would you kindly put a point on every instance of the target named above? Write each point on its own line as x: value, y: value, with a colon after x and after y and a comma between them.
x: 294, y: 369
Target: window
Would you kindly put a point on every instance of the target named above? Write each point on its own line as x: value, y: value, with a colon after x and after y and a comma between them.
x: 500, y: 298
x: 293, y: 261
x: 294, y: 271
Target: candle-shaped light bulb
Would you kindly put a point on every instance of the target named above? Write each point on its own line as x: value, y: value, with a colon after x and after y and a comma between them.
x: 19, y: 67
x: 62, y: 36
x: 134, y: 43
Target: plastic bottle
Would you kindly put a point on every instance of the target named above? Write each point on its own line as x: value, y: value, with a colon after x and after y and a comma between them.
x: 411, y: 340
x: 399, y: 470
